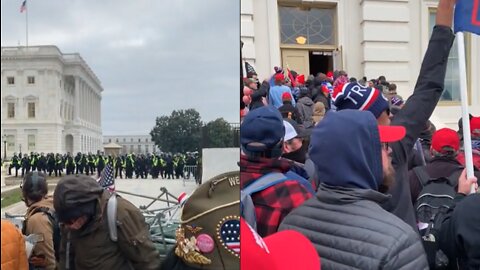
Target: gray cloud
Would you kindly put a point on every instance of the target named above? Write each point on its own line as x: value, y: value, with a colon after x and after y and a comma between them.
x: 152, y: 57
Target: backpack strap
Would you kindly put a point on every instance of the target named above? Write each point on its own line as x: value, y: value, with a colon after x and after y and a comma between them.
x: 453, y: 179
x: 112, y: 217
x: 422, y: 175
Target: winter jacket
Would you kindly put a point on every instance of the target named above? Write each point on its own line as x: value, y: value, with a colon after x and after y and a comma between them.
x: 414, y: 116
x: 288, y: 109
x: 305, y: 107
x: 344, y: 220
x: 14, y: 255
x: 350, y: 230
x: 91, y: 247
x: 39, y: 223
x: 275, y: 202
x: 318, y: 112
x: 459, y: 236
x: 275, y: 95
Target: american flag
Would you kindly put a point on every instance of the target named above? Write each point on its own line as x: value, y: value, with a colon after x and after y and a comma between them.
x: 107, y: 180
x: 230, y: 233
x: 23, y: 7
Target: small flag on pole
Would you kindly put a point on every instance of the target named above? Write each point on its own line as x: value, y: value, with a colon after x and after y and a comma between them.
x: 107, y: 180
x: 467, y: 16
x: 250, y: 70
x: 23, y: 7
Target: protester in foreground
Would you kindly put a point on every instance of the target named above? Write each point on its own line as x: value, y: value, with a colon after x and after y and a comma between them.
x: 81, y: 206
x: 344, y: 220
x: 271, y: 252
x: 209, y: 234
x: 14, y: 254
x: 39, y: 220
x: 459, y: 236
x: 416, y: 111
x: 261, y: 139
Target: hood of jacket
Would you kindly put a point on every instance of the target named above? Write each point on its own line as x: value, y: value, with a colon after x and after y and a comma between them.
x: 306, y: 100
x: 345, y: 147
x: 319, y: 109
x: 46, y: 202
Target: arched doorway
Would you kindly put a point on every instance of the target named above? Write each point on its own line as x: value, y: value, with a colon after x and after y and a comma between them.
x: 69, y: 143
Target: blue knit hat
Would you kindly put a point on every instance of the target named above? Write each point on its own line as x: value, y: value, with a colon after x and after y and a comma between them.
x: 357, y: 97
x: 262, y: 129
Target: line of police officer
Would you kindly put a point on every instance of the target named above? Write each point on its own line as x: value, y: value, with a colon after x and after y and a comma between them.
x: 158, y: 165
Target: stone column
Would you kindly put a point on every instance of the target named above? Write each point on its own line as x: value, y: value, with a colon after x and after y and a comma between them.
x: 76, y: 114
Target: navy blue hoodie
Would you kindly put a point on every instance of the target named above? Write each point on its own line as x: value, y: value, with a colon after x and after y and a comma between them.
x: 346, y: 150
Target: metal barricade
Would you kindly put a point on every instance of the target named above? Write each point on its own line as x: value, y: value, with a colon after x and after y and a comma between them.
x: 189, y: 172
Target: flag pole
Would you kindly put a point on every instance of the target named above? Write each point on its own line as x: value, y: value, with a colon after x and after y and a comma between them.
x: 26, y: 24
x: 467, y: 140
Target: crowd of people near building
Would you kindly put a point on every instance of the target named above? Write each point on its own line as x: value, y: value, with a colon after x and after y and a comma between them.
x: 358, y: 170
x: 164, y: 166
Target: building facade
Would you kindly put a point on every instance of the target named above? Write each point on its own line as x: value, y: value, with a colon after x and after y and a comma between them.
x: 364, y: 37
x: 137, y: 144
x: 51, y: 102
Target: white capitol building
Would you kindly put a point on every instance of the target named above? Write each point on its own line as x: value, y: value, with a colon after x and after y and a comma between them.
x: 364, y: 37
x: 51, y: 102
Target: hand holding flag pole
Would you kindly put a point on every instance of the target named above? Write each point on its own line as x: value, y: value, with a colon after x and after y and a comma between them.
x: 467, y: 18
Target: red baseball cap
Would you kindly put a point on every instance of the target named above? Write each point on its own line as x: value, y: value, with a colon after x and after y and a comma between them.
x: 475, y: 126
x: 445, y: 137
x: 286, y: 96
x: 283, y: 250
x: 391, y: 133
x: 279, y: 77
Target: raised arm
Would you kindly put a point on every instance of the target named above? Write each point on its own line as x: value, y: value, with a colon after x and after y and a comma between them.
x: 430, y: 83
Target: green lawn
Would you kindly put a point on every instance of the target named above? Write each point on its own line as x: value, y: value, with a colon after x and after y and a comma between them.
x: 11, y: 197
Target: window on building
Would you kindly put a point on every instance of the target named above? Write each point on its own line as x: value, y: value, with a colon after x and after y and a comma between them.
x: 31, y: 80
x: 31, y: 110
x: 116, y: 140
x: 146, y: 140
x: 131, y: 139
x: 147, y: 149
x: 61, y: 110
x: 452, y: 77
x: 139, y: 148
x: 31, y: 142
x: 109, y: 140
x: 11, y: 110
x: 313, y: 26
x: 139, y: 140
x: 124, y: 140
x: 10, y: 142
x: 131, y: 148
x: 10, y: 80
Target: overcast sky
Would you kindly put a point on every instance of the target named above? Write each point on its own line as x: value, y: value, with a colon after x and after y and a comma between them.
x: 151, y: 57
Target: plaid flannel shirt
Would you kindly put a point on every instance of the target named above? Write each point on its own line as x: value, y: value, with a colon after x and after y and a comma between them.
x: 273, y: 203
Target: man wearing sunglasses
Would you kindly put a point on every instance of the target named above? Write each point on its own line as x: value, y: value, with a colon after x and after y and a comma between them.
x: 81, y: 205
x: 416, y: 112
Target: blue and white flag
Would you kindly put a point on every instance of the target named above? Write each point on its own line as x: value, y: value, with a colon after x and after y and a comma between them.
x: 467, y: 16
